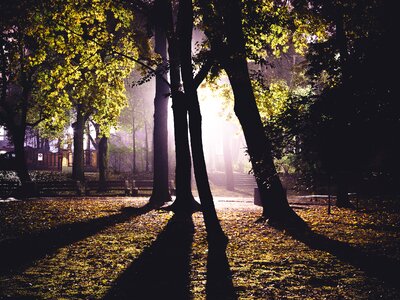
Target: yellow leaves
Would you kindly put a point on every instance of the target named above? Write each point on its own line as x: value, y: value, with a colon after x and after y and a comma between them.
x: 271, y: 101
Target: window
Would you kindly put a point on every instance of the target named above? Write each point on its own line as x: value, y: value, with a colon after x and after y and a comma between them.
x: 40, y: 157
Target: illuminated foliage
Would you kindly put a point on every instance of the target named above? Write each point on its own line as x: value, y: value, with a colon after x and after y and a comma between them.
x: 79, y: 60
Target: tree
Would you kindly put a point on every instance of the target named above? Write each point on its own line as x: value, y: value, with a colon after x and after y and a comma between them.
x: 215, y: 235
x: 160, y: 193
x: 352, y: 107
x: 85, y: 39
x: 228, y: 44
x: 184, y: 201
x: 18, y: 66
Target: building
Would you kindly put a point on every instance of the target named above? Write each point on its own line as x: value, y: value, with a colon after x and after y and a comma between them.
x: 43, y: 158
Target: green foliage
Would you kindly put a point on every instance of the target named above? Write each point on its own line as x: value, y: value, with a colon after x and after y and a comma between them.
x: 271, y: 100
x: 271, y: 27
x: 79, y: 46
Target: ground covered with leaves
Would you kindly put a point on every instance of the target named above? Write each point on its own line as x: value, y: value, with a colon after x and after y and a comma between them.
x: 109, y: 248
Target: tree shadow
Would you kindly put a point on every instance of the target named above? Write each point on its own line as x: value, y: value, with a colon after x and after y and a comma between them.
x: 219, y: 284
x: 379, y: 266
x: 19, y: 253
x: 162, y: 271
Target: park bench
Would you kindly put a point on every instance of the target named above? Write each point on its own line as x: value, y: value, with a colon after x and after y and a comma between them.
x: 110, y: 186
x: 8, y: 188
x: 145, y: 187
x: 59, y: 188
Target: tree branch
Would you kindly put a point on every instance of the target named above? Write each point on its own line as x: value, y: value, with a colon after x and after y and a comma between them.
x: 205, y: 68
x: 93, y: 40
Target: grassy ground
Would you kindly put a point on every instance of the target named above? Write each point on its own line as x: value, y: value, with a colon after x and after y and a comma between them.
x: 86, y: 248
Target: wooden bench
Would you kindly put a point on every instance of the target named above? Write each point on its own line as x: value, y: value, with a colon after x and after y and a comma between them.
x: 145, y: 187
x: 112, y: 185
x: 9, y: 188
x: 59, y: 188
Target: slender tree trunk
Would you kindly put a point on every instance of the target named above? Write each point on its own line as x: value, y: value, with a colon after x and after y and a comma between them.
x: 103, y: 163
x: 88, y: 153
x: 147, y: 147
x: 185, y: 27
x: 184, y: 202
x: 133, y: 145
x: 18, y: 137
x: 78, y: 162
x: 160, y: 193
x: 37, y: 140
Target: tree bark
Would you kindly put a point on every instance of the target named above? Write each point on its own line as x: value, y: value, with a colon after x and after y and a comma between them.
x: 78, y: 161
x: 273, y: 196
x: 160, y: 193
x: 147, y: 147
x: 184, y: 201
x: 133, y: 146
x: 103, y: 163
x: 88, y: 152
x: 185, y: 28
x: 18, y: 138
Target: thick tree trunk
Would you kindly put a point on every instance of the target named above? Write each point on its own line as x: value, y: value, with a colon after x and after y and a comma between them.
x: 103, y: 163
x: 78, y: 161
x: 273, y: 196
x: 160, y: 193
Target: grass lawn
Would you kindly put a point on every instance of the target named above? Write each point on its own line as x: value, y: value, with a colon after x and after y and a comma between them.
x: 91, y: 248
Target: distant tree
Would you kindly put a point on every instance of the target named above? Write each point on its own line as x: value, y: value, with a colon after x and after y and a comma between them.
x: 89, y: 74
x: 19, y: 64
x: 133, y: 116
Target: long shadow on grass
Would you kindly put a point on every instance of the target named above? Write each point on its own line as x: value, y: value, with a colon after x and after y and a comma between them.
x: 162, y: 271
x: 17, y: 254
x: 219, y: 277
x: 379, y: 266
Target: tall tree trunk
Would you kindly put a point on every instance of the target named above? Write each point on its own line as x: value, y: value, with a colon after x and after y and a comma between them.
x: 133, y: 145
x: 46, y: 145
x: 273, y: 196
x: 184, y: 201
x: 38, y: 146
x: 160, y: 193
x: 342, y: 198
x: 18, y: 137
x: 147, y: 147
x: 15, y: 116
x: 103, y: 163
x: 185, y: 28
x: 88, y: 153
x: 78, y: 162
x: 228, y: 160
